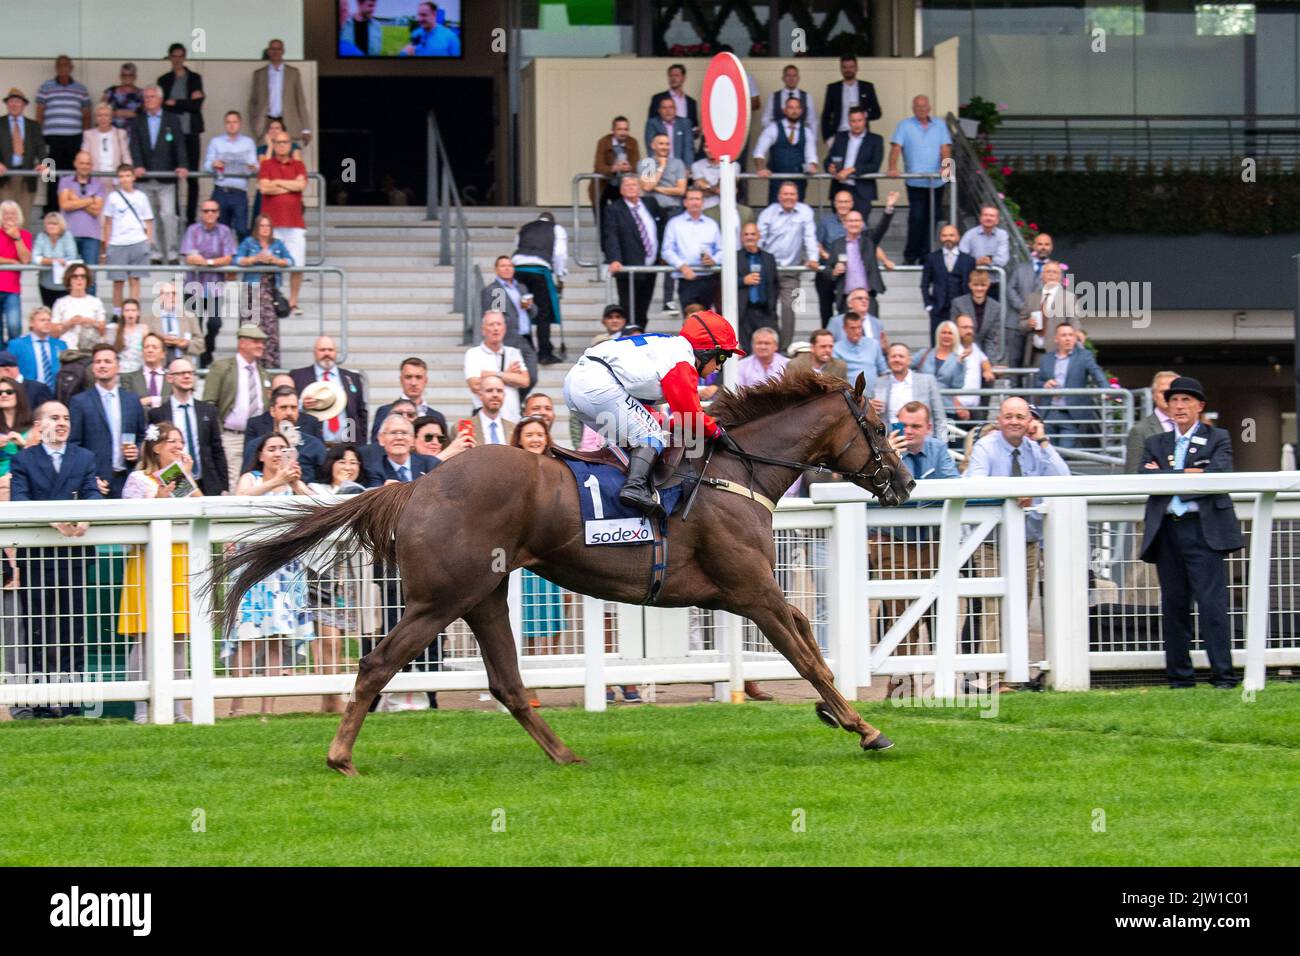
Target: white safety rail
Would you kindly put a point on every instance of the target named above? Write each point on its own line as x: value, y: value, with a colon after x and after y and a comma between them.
x: 97, y: 614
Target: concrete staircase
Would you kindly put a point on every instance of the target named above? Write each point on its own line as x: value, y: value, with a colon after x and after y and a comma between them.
x: 400, y: 301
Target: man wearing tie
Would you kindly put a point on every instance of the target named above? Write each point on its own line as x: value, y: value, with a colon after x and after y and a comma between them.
x: 1027, y: 277
x: 108, y: 421
x: 236, y: 386
x: 37, y: 352
x: 149, y: 381
x: 1043, y: 311
x: 54, y: 581
x: 945, y: 274
x: 158, y: 145
x: 491, y: 427
x: 792, y: 150
x: 760, y: 289
x: 1187, y: 536
x: 22, y: 146
x: 178, y: 329
x: 200, y: 426
x: 351, y: 425
x: 628, y: 236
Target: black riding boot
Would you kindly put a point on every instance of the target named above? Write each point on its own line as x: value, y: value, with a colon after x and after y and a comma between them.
x: 638, y: 489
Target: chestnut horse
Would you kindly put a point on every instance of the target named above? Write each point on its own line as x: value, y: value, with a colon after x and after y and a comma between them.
x: 458, y: 531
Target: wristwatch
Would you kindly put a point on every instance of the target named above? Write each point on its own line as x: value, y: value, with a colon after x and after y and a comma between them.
x: 209, y: 262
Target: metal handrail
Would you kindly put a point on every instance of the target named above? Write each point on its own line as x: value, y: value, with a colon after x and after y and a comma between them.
x: 192, y: 174
x: 180, y: 283
x: 443, y: 202
x: 981, y: 190
x: 575, y: 200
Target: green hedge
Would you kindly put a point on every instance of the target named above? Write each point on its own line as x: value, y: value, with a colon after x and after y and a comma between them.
x: 1181, y: 203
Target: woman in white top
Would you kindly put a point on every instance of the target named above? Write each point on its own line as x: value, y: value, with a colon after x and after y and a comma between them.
x: 129, y: 341
x: 276, y: 607
x: 164, y: 445
x: 106, y: 144
x: 77, y: 318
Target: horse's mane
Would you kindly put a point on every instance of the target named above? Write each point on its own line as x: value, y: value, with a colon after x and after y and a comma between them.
x: 731, y: 409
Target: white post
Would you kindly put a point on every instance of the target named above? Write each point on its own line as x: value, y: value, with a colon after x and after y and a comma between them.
x: 945, y: 614
x: 1261, y: 542
x: 1015, y: 604
x: 730, y: 229
x: 732, y: 627
x: 850, y: 631
x: 158, y: 640
x: 593, y: 652
x: 202, y: 705
x: 1065, y: 592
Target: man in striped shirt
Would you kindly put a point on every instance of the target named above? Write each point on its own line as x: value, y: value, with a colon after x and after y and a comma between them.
x: 63, y: 110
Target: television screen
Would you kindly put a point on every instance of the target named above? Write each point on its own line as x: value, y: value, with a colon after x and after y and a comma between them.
x: 399, y: 28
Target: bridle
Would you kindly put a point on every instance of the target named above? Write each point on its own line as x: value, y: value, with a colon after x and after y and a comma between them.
x: 879, y: 479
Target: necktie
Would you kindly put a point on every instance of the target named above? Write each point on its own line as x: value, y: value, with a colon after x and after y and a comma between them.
x: 403, y: 473
x: 56, y: 458
x: 1181, y: 443
x: 1015, y: 464
x: 17, y: 137
x: 153, y: 383
x: 645, y: 236
x: 1038, y: 267
x: 790, y: 135
x: 254, y: 394
x: 116, y: 431
x: 43, y: 360
x: 333, y: 423
x: 187, y: 426
x: 755, y: 265
x: 495, y: 439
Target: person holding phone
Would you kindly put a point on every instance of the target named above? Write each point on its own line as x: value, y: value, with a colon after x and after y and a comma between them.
x: 163, y: 451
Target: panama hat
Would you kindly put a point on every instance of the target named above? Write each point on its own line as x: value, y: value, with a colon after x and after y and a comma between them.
x: 329, y: 397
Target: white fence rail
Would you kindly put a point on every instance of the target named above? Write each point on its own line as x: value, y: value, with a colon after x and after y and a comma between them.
x: 117, y: 614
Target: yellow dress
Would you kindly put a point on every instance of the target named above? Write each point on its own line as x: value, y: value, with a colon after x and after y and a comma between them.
x: 131, y: 617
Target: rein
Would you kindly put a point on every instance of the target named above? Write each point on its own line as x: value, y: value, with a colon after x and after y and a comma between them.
x: 879, y: 479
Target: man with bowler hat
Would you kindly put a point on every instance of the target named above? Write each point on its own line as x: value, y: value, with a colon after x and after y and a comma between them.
x: 1187, y: 536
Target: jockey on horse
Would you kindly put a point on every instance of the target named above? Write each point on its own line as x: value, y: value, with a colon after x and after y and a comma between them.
x: 615, y: 383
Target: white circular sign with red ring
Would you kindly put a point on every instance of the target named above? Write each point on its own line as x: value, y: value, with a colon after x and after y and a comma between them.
x: 725, y: 104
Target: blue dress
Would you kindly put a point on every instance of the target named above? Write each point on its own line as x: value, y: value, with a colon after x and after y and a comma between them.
x: 543, y: 606
x: 276, y: 606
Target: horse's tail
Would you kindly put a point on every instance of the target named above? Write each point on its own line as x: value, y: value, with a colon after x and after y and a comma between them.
x: 368, y: 521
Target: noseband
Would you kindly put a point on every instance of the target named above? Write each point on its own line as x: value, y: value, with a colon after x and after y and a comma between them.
x: 883, y: 474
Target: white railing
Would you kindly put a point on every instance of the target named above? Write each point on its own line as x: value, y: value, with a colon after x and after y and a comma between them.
x: 896, y: 606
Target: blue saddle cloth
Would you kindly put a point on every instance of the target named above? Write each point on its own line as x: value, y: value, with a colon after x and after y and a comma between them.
x: 607, y: 484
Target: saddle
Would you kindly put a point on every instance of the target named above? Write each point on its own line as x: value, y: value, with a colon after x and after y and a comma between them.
x: 665, y: 473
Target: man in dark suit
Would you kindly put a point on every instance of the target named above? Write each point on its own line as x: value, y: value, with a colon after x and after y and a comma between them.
x: 53, y: 579
x: 200, y: 426
x: 844, y: 95
x: 997, y: 329
x: 1187, y: 536
x: 511, y: 298
x: 1069, y: 421
x: 944, y: 277
x: 187, y: 106
x: 37, y: 392
x: 666, y: 122
x: 629, y: 237
x: 158, y: 145
x: 284, y: 409
x: 759, y: 292
x: 854, y: 255
x: 393, y: 458
x: 103, y: 417
x: 676, y: 78
x: 414, y: 379
x: 352, y: 425
x: 855, y: 153
x: 20, y: 139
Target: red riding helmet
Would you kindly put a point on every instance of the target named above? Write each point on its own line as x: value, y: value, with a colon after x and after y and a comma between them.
x: 708, y: 332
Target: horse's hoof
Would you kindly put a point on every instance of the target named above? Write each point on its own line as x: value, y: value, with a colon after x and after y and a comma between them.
x: 344, y: 767
x: 826, y: 717
x: 879, y: 742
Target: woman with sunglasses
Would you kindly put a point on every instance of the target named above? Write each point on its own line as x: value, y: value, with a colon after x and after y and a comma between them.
x: 17, y: 430
x: 78, y: 318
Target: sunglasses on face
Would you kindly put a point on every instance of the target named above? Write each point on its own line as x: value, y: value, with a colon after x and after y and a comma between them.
x: 7, y: 391
x: 430, y: 436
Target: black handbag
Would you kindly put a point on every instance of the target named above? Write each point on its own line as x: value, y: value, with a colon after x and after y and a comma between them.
x: 279, y: 303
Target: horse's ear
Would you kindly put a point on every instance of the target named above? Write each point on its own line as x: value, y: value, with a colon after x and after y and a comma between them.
x: 859, y: 386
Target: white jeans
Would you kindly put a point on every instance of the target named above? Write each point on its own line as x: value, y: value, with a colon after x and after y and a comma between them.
x: 592, y: 393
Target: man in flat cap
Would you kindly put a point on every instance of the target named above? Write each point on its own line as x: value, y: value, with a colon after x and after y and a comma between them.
x: 238, y: 387
x: 1187, y: 536
x: 22, y: 146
